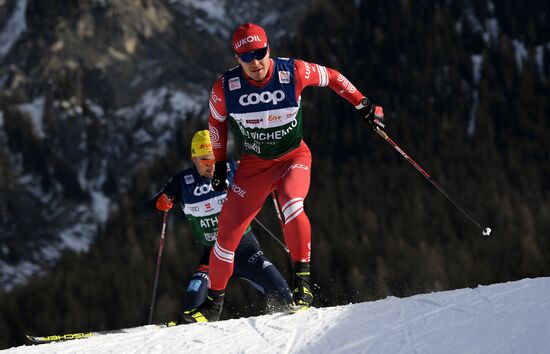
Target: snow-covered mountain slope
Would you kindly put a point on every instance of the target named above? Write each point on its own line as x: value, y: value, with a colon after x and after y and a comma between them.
x: 89, y: 95
x: 502, y: 318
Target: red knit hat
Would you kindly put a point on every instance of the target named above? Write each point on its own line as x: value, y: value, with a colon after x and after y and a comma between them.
x: 248, y: 37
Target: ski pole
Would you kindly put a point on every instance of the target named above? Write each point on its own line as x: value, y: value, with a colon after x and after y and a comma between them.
x: 159, y: 257
x: 486, y: 231
x: 271, y: 234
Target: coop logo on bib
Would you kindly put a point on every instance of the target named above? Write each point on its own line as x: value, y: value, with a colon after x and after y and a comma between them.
x: 264, y: 97
x: 203, y: 189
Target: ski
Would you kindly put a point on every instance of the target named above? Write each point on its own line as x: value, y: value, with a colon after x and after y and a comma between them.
x: 83, y: 335
x: 61, y: 337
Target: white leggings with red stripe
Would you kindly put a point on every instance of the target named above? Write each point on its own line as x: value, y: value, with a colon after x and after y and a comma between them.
x: 254, y: 180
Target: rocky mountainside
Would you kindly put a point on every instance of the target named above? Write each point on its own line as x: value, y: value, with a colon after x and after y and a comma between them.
x: 91, y: 91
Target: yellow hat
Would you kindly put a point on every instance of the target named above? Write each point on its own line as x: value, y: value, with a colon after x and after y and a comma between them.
x: 200, y: 144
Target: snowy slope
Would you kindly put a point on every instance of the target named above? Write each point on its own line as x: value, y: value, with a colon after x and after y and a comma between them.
x: 136, y: 81
x: 503, y: 318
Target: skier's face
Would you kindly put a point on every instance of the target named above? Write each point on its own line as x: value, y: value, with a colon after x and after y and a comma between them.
x: 256, y: 69
x: 204, y: 165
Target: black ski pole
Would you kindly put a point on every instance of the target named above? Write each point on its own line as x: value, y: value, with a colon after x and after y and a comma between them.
x: 377, y: 127
x: 271, y: 234
x: 159, y: 257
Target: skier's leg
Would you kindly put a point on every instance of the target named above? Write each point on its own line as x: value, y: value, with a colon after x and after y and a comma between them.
x: 292, y: 190
x: 244, y: 199
x: 196, y: 289
x: 252, y: 265
x: 243, y: 202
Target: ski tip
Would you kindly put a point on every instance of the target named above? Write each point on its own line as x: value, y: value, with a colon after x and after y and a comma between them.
x: 36, y: 340
x: 59, y: 338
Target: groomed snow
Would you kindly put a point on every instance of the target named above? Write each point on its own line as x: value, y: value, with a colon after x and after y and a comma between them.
x: 502, y: 318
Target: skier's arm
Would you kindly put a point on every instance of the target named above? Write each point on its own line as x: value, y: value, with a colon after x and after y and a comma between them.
x: 217, y: 121
x: 172, y: 189
x: 310, y: 74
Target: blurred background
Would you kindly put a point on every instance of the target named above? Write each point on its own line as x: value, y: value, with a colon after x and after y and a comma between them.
x: 99, y: 99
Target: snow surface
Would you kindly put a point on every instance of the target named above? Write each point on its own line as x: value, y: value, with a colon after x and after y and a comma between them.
x: 502, y: 318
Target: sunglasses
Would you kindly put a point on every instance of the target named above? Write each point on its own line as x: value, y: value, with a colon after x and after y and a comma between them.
x: 207, y: 162
x: 258, y: 54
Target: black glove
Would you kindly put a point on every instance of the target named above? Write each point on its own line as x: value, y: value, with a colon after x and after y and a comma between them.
x: 372, y: 114
x: 219, y: 182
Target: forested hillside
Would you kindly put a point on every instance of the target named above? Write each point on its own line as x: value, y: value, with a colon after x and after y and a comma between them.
x: 465, y: 89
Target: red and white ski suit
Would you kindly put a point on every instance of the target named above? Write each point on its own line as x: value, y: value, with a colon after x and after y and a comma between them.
x: 259, y: 173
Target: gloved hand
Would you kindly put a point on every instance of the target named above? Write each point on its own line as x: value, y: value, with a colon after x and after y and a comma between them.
x: 220, y: 176
x: 164, y: 203
x: 372, y: 114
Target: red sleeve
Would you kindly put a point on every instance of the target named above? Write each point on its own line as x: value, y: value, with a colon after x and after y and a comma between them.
x: 217, y: 121
x: 310, y: 74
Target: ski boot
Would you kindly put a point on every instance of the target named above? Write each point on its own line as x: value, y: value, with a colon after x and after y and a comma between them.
x: 209, y: 311
x: 302, y: 297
